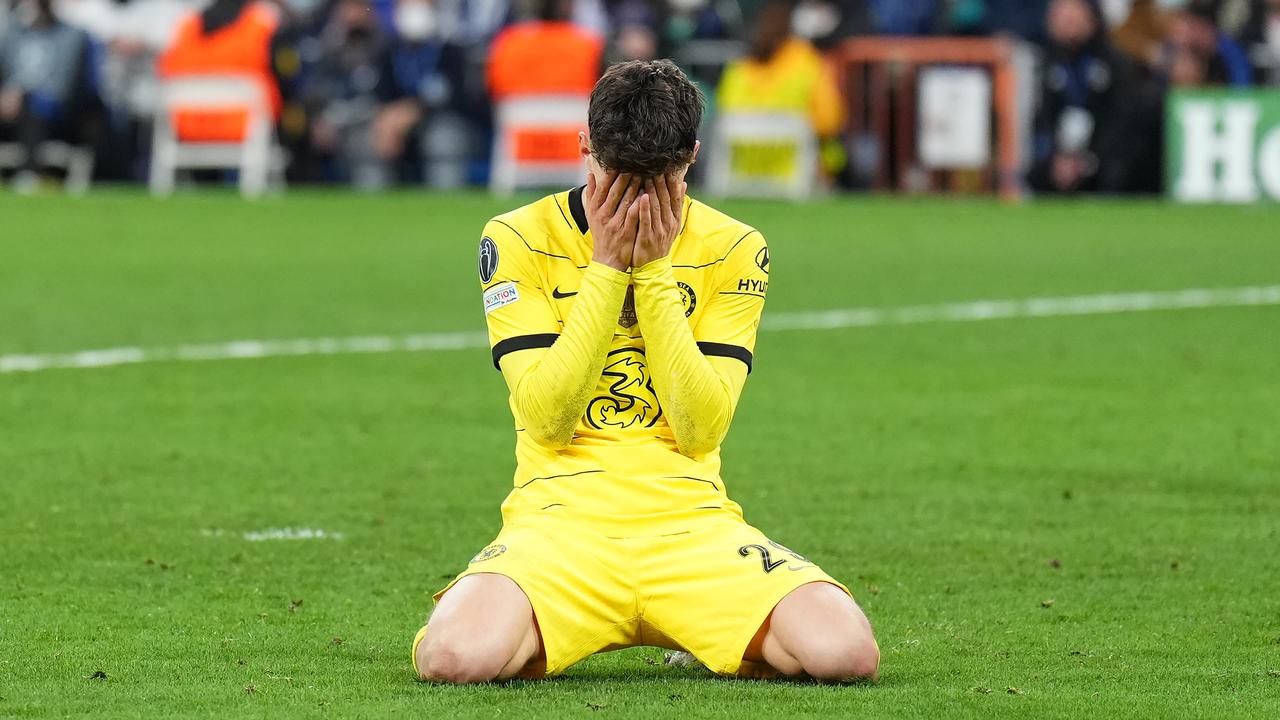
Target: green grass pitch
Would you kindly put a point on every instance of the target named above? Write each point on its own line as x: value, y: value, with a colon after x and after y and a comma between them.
x: 1043, y: 517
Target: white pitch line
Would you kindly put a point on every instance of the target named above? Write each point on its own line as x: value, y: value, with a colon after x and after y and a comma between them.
x: 1028, y: 308
x: 292, y: 534
x: 1039, y: 307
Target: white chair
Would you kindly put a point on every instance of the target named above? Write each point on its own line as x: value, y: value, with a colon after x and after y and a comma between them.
x: 772, y: 137
x: 559, y: 117
x: 257, y: 158
x: 76, y: 160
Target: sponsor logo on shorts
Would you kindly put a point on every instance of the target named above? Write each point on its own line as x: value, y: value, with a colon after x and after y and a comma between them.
x: 504, y: 294
x: 489, y: 553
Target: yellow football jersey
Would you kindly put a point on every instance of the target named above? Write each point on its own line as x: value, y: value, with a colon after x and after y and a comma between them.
x: 623, y: 463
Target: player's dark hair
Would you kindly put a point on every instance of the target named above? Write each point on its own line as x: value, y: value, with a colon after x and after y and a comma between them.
x: 644, y: 118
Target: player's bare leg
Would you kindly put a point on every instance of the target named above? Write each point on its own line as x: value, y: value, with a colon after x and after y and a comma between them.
x: 482, y: 630
x: 819, y: 631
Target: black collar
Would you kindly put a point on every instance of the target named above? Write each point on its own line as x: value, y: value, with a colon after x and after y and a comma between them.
x: 576, y: 209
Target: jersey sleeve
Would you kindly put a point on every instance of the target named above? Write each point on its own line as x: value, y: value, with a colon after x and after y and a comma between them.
x: 732, y: 320
x: 516, y: 308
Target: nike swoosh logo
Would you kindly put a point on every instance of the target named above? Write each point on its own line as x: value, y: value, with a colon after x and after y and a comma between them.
x: 560, y: 296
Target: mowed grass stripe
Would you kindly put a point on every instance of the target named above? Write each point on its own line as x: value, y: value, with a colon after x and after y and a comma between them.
x: 969, y: 311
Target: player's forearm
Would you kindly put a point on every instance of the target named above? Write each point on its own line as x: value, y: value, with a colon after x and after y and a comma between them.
x: 551, y: 392
x: 698, y: 399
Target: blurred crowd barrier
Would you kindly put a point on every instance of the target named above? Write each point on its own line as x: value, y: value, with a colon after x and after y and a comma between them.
x: 805, y: 96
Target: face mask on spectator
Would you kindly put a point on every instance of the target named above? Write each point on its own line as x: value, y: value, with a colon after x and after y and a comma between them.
x: 812, y: 19
x: 302, y: 8
x: 26, y: 13
x: 687, y: 6
x: 416, y: 21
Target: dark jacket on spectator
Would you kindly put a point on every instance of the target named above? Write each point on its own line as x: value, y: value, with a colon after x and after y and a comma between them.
x: 51, y: 65
x: 1093, y: 83
x: 904, y: 17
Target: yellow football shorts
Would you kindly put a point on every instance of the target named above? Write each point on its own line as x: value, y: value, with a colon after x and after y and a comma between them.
x: 706, y: 590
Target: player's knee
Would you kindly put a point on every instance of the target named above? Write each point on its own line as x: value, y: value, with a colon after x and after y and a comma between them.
x: 844, y: 659
x: 448, y: 661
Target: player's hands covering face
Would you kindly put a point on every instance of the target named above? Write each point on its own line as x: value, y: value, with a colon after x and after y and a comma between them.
x: 613, y: 216
x: 660, y: 208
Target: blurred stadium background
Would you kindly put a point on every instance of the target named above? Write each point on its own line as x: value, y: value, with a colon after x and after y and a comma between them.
x: 807, y: 96
x: 241, y: 443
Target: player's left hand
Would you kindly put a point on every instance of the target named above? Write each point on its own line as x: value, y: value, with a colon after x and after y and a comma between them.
x: 661, y: 210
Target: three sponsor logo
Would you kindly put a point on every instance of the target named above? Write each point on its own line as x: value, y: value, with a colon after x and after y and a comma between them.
x: 627, y: 398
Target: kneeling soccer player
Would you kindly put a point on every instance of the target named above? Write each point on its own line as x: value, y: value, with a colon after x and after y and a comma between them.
x: 623, y: 316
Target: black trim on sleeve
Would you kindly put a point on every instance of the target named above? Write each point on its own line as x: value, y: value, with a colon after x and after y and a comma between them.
x: 523, y: 342
x: 730, y: 351
x: 577, y: 210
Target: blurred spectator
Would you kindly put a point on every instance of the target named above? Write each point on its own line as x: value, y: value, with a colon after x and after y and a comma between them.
x: 1022, y: 18
x: 228, y: 37
x: 548, y: 55
x: 330, y: 65
x: 905, y: 17
x: 645, y: 29
x: 1241, y: 19
x: 424, y: 119
x: 474, y: 22
x: 635, y: 30
x: 46, y: 84
x: 130, y: 34
x: 1142, y: 30
x: 1268, y: 47
x: 785, y: 73
x: 1193, y: 29
x: 1185, y: 69
x: 1085, y: 130
x: 1115, y: 12
x: 691, y: 20
x: 590, y: 15
x: 826, y: 22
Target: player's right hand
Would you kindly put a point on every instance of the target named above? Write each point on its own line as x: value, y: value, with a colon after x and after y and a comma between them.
x: 613, y: 227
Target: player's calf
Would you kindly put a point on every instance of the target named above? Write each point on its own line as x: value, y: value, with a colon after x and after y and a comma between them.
x: 482, y: 630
